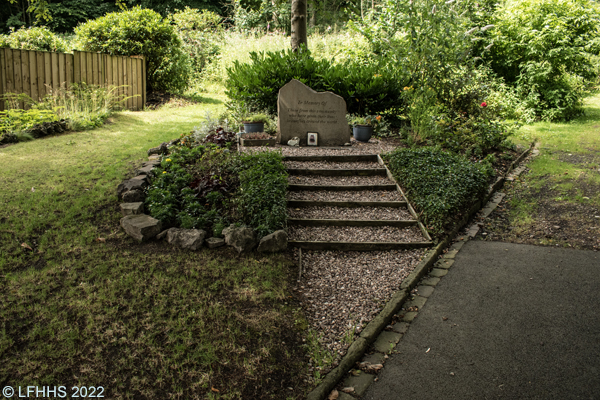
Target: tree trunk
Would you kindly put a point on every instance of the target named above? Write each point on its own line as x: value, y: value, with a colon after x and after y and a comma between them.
x: 298, y: 24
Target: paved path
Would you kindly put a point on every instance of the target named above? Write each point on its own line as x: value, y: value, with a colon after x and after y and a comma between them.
x: 523, y: 322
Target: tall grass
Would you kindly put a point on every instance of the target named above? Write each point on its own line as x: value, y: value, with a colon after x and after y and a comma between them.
x: 84, y: 106
x: 236, y: 46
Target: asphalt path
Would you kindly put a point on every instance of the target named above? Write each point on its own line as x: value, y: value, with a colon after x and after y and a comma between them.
x: 508, y: 321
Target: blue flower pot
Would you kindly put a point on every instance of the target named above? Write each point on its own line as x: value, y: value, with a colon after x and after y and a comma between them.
x: 250, y: 127
x: 362, y: 133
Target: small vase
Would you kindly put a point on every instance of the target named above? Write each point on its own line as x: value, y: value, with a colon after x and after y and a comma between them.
x: 250, y: 127
x: 362, y: 133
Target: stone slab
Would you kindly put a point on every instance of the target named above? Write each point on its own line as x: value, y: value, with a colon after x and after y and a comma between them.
x: 444, y: 263
x: 438, y: 272
x: 417, y: 301
x: 409, y: 316
x: 214, y: 242
x: 424, y: 291
x: 302, y: 110
x: 141, y: 227
x: 360, y: 383
x: 375, y: 358
x: 400, y: 327
x: 430, y: 281
x: 132, y: 208
x: 386, y: 341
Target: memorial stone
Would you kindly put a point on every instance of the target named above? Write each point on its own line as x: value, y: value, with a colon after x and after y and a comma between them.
x: 302, y: 110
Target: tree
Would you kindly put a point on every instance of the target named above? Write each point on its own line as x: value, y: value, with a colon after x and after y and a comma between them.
x: 298, y: 24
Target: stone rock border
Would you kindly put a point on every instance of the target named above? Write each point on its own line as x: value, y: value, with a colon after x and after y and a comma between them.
x: 143, y: 227
x: 374, y: 334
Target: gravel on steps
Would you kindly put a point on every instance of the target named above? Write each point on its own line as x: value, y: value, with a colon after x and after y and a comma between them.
x: 324, y: 195
x: 338, y: 180
x: 356, y: 233
x: 358, y: 213
x: 331, y: 165
x: 343, y: 291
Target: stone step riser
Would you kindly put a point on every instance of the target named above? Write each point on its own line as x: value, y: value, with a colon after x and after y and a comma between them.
x: 350, y: 222
x: 358, y: 246
x: 348, y: 204
x: 339, y: 172
x: 354, y: 158
x: 341, y: 188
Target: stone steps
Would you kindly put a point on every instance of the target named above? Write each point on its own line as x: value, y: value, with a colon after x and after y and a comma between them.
x: 357, y: 194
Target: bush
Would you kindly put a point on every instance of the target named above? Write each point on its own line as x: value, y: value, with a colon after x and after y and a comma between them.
x: 35, y: 38
x: 544, y: 49
x: 263, y: 191
x: 367, y: 89
x: 440, y: 184
x: 140, y: 32
x: 200, y: 33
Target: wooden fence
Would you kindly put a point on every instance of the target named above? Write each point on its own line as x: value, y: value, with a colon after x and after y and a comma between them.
x: 38, y: 73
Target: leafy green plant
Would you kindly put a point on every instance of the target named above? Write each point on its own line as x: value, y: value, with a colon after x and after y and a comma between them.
x: 545, y: 50
x: 140, y: 32
x: 439, y: 183
x: 14, y: 123
x: 372, y: 88
x: 254, y: 118
x: 263, y: 188
x: 200, y: 33
x: 34, y: 38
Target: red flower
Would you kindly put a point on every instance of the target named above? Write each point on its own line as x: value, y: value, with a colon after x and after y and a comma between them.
x: 484, y: 104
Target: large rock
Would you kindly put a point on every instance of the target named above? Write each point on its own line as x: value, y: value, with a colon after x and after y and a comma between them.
x: 273, y: 243
x: 190, y: 239
x: 133, y: 196
x: 214, y: 242
x: 132, y: 208
x: 141, y: 227
x: 241, y: 239
x: 130, y: 184
x: 145, y: 170
x: 302, y: 110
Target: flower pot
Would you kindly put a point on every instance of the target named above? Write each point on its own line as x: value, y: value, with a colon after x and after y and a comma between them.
x: 250, y: 127
x: 362, y: 133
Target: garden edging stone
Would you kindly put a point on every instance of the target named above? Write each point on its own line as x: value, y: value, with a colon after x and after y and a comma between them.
x: 382, y: 320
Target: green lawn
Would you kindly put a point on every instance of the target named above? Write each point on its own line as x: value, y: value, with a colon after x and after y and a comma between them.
x: 557, y: 202
x: 83, y: 304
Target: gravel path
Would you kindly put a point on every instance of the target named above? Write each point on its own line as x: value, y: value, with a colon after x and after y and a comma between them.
x: 322, y: 195
x: 362, y: 213
x: 332, y: 165
x: 338, y: 180
x: 356, y: 233
x: 343, y: 291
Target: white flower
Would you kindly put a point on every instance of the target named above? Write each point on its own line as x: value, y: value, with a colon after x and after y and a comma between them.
x: 485, y: 28
x: 467, y: 33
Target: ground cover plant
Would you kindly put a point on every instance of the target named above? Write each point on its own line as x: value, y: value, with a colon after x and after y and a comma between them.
x: 440, y: 184
x: 557, y: 201
x: 85, y: 304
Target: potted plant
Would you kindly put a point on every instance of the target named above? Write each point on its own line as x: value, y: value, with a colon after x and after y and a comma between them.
x: 363, y: 127
x: 255, y: 123
x: 257, y: 139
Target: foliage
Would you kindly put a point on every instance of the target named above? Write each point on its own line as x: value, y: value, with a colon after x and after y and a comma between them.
x: 200, y: 33
x: 373, y: 88
x: 34, y: 38
x: 83, y: 106
x: 544, y: 49
x: 254, y: 118
x: 15, y: 122
x: 263, y: 190
x: 440, y: 184
x: 208, y: 186
x: 264, y: 16
x: 140, y: 32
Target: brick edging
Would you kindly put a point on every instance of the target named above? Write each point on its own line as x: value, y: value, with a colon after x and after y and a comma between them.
x: 370, y: 333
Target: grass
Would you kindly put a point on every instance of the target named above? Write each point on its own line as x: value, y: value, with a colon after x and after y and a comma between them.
x: 558, y: 201
x: 82, y: 304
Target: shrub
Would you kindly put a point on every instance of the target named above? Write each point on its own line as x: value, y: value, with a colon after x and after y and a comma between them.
x: 544, y: 49
x: 440, y: 184
x: 140, y: 32
x: 34, y: 38
x: 263, y: 190
x: 373, y: 88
